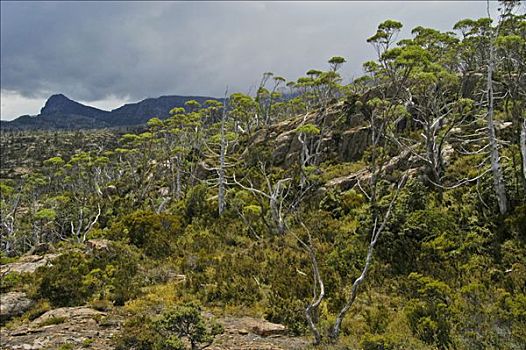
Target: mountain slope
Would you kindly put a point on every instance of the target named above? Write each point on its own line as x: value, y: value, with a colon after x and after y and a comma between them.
x: 60, y: 112
x: 61, y: 105
x: 141, y: 112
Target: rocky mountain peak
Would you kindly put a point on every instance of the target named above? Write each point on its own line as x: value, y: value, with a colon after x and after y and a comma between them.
x: 60, y: 104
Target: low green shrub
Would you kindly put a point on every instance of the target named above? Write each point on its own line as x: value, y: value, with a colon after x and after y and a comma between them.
x: 61, y: 282
x: 74, y: 277
x: 152, y: 233
x: 13, y: 281
x: 174, y: 329
x: 186, y: 322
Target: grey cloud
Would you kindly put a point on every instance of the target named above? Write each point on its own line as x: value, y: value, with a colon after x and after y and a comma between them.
x: 91, y: 50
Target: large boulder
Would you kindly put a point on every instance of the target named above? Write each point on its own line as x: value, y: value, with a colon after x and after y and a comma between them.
x: 266, y: 329
x: 28, y: 263
x: 246, y: 325
x: 13, y: 304
x: 74, y: 327
x: 69, y: 313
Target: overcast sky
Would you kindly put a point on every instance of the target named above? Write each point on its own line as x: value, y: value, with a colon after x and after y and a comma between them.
x: 109, y: 53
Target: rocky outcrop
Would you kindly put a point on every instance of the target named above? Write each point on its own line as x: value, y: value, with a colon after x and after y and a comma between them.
x: 345, y: 138
x: 28, y: 263
x: 68, y: 313
x: 83, y: 327
x: 402, y: 161
x: 13, y: 304
x: 245, y: 325
x: 348, y: 181
x: 353, y: 143
x: 248, y: 333
x: 79, y: 327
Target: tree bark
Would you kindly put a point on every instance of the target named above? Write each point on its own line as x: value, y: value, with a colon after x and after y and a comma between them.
x: 221, y: 171
x: 375, y: 234
x: 523, y: 148
x: 317, y: 297
x: 498, y: 177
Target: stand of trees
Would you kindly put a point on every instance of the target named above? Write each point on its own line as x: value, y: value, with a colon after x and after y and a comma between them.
x: 419, y: 243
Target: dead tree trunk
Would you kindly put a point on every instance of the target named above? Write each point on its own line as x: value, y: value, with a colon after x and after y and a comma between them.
x: 498, y: 177
x: 523, y: 148
x: 221, y: 170
x: 375, y: 234
x: 275, y: 195
x: 318, y: 289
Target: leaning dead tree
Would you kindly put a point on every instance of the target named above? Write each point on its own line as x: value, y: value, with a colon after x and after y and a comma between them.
x: 309, y: 149
x: 379, y: 118
x: 379, y: 224
x: 380, y: 221
x: 318, y: 287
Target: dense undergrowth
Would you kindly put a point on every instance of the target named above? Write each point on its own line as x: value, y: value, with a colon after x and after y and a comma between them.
x: 448, y: 270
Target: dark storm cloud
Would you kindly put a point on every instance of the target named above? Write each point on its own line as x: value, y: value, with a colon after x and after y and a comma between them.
x: 92, y: 50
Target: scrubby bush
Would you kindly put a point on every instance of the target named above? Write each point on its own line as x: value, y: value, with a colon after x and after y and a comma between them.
x: 115, y: 271
x: 178, y: 327
x: 151, y: 232
x: 287, y: 311
x: 75, y: 277
x: 61, y: 282
x: 382, y: 342
x: 186, y: 322
x: 12, y: 281
x: 138, y: 333
x: 196, y: 202
x: 37, y: 310
x: 429, y: 312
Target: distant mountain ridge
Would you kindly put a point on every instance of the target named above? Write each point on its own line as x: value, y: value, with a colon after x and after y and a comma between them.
x: 60, y: 112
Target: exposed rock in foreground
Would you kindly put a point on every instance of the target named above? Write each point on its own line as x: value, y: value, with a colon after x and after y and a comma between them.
x: 86, y: 328
x: 28, y: 263
x: 247, y: 333
x: 13, y: 304
x: 80, y: 327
